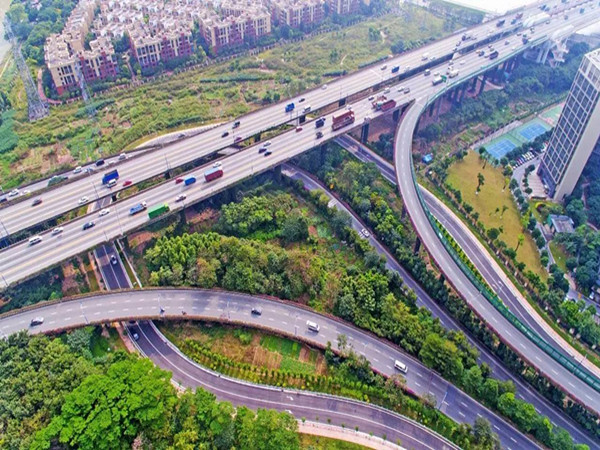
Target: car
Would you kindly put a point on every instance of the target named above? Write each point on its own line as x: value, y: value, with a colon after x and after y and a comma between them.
x: 77, y: 170
x: 178, y: 180
x: 36, y: 321
x: 111, y: 184
x: 462, y: 63
x: 324, y: 87
x: 83, y: 200
x: 26, y: 192
x: 401, y: 88
x: 113, y: 260
x: 99, y: 163
x: 427, y: 72
x: 89, y: 170
x: 481, y: 53
x: 127, y: 183
x: 236, y: 124
x: 57, y: 230
x: 407, y: 68
x: 181, y: 135
x: 135, y: 336
x: 507, y: 42
x: 266, y: 144
x: 237, y: 139
x: 217, y: 164
x: 298, y: 129
x: 36, y: 202
x: 301, y: 100
x: 365, y: 232
x: 13, y: 193
x: 112, y: 161
x: 371, y: 98
x: 225, y: 134
x: 35, y: 240
x: 262, y: 150
x: 436, y: 74
x: 490, y: 46
x: 123, y: 156
x: 319, y: 134
x: 383, y: 67
x: 514, y: 47
x: 104, y: 212
x: 406, y: 90
x: 349, y: 107
x: 268, y: 152
x: 88, y: 225
x: 256, y: 311
x: 180, y: 198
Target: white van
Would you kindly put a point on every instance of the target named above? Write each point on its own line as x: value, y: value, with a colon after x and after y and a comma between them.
x: 312, y: 326
x: 306, y: 109
x: 35, y: 240
x: 425, y: 57
x: 111, y: 183
x: 399, y: 365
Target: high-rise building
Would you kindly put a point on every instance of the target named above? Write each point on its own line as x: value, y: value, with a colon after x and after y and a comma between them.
x: 577, y: 131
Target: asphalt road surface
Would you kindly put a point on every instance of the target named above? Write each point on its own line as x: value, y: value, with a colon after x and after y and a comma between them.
x: 22, y: 260
x: 524, y: 391
x: 283, y: 318
x: 533, y: 354
x: 20, y: 214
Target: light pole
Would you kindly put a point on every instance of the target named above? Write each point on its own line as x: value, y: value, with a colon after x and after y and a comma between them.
x: 119, y: 220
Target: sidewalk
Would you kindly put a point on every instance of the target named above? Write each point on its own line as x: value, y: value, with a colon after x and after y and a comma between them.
x: 345, y: 434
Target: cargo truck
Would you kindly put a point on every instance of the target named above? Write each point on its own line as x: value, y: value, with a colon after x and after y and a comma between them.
x: 189, y: 180
x: 439, y: 79
x: 342, y: 120
x: 390, y: 104
x: 289, y: 107
x: 452, y: 73
x: 137, y: 208
x: 108, y: 176
x: 157, y: 210
x: 213, y: 173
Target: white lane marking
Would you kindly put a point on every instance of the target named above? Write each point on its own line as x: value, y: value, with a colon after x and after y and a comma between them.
x: 417, y: 383
x: 461, y: 414
x: 464, y: 404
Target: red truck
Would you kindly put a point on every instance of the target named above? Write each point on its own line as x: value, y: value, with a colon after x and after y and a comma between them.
x: 342, y: 120
x: 213, y: 173
x: 390, y: 104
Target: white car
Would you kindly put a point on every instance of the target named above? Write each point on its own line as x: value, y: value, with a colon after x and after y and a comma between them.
x: 26, y: 192
x: 401, y: 88
x: 324, y: 87
x: 266, y: 144
x: 462, y: 63
x: 112, y: 161
x: 180, y: 198
x: 104, y: 212
x: 57, y: 230
x: 365, y: 233
x: 217, y: 164
x: 83, y: 200
x: 122, y: 156
x: 13, y: 193
x: 77, y: 170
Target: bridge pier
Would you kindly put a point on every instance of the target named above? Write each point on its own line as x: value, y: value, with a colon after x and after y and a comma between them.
x: 396, y: 115
x: 277, y: 173
x: 364, y: 133
x: 342, y: 102
x: 439, y: 106
x: 473, y: 84
x: 431, y: 109
x: 482, y: 86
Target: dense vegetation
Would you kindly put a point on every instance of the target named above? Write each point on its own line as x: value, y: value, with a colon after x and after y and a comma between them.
x: 54, y: 395
x: 362, y: 187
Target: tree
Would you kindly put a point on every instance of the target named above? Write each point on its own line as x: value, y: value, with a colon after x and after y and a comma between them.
x: 480, y: 182
x: 443, y: 355
x: 295, y: 228
x: 521, y: 239
x: 266, y: 430
x: 483, y: 155
x: 483, y: 434
x: 493, y: 233
x: 110, y: 410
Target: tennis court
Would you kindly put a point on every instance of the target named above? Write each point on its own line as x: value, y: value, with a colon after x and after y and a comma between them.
x: 531, y: 130
x: 498, y: 148
x: 550, y: 116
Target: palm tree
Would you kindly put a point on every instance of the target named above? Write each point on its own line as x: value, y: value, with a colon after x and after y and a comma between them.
x: 521, y: 239
x: 483, y: 155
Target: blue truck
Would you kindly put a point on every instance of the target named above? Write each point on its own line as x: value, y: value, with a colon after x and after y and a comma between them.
x: 289, y: 107
x: 108, y: 176
x: 189, y: 180
x: 137, y: 208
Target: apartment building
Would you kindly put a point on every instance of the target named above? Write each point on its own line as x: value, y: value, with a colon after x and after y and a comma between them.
x: 297, y: 13
x: 577, y: 132
x: 343, y: 7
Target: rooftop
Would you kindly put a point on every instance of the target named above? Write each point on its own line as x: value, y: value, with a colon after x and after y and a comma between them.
x: 561, y: 224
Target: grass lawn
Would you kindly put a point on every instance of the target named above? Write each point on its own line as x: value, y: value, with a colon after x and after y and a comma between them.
x: 308, y: 441
x: 247, y: 345
x: 69, y: 137
x: 560, y: 256
x: 101, y: 345
x: 489, y: 202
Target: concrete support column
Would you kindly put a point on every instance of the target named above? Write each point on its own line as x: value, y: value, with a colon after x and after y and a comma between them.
x: 463, y: 92
x: 364, y: 133
x: 439, y: 106
x: 431, y: 108
x: 483, y: 81
x: 474, y: 84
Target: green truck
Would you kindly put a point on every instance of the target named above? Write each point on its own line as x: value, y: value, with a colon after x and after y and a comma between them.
x: 157, y: 210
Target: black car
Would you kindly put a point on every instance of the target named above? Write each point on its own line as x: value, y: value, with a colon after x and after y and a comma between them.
x: 88, y: 225
x: 262, y: 150
x: 225, y: 134
x: 36, y: 202
x: 113, y: 260
x: 236, y: 124
x: 100, y: 162
x: 268, y: 152
x: 319, y: 134
x: 257, y: 311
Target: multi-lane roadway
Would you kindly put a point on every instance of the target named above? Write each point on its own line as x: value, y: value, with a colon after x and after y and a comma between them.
x: 21, y: 260
x: 21, y: 214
